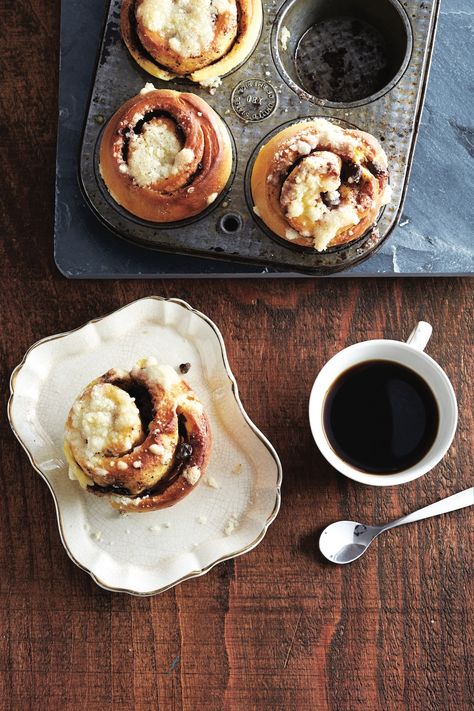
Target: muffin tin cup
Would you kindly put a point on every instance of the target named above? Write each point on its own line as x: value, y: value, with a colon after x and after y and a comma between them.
x: 141, y: 223
x: 370, y: 39
x: 267, y: 91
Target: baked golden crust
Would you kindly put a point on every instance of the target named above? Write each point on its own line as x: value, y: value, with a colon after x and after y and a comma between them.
x: 318, y: 185
x: 172, y: 191
x: 141, y: 438
x: 234, y: 28
x: 134, y: 46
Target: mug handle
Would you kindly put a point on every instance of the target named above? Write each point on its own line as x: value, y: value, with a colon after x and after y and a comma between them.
x: 420, y: 336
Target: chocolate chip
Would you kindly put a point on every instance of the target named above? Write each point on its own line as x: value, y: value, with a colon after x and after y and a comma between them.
x: 351, y: 172
x: 375, y: 169
x: 183, y: 451
x: 330, y: 202
x: 184, y: 367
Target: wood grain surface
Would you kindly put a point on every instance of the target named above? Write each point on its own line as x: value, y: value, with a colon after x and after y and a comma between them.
x: 277, y: 628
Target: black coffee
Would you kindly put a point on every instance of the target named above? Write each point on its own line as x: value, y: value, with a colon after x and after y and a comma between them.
x: 380, y: 417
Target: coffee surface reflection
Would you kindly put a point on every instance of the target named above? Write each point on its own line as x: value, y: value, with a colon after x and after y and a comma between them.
x: 381, y: 417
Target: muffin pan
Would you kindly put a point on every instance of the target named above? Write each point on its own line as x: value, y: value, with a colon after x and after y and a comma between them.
x: 372, y: 75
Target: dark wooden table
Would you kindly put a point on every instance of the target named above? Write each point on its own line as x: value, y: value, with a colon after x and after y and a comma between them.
x: 277, y: 628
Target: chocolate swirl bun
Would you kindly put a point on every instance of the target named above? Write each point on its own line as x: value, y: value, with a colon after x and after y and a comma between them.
x: 319, y: 185
x: 165, y: 155
x: 141, y: 438
x: 202, y: 39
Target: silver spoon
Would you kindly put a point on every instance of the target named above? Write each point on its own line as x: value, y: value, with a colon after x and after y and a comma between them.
x: 345, y: 541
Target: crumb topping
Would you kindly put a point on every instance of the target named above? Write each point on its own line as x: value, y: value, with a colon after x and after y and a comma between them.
x: 315, y: 177
x: 291, y: 234
x: 152, y: 373
x: 192, y: 474
x: 231, y: 525
x: 188, y: 25
x: 105, y: 419
x: 156, y: 153
x: 211, y: 84
x: 284, y: 37
x: 147, y: 88
x: 157, y: 449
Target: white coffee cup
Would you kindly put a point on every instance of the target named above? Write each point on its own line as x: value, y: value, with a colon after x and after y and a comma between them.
x: 411, y: 355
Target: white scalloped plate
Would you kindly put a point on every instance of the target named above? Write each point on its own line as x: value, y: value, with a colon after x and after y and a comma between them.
x: 144, y: 554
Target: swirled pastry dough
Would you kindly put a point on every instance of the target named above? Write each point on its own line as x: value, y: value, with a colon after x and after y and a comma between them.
x: 141, y: 438
x: 319, y: 185
x: 201, y: 39
x: 165, y: 155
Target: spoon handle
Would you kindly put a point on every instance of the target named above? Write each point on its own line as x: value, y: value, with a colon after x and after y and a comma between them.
x: 451, y: 503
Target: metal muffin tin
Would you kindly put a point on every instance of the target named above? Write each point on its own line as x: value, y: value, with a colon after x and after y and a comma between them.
x: 263, y: 95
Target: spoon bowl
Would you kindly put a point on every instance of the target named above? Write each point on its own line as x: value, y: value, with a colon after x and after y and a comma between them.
x: 345, y: 541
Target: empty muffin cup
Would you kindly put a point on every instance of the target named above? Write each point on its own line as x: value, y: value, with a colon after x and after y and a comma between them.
x: 338, y: 52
